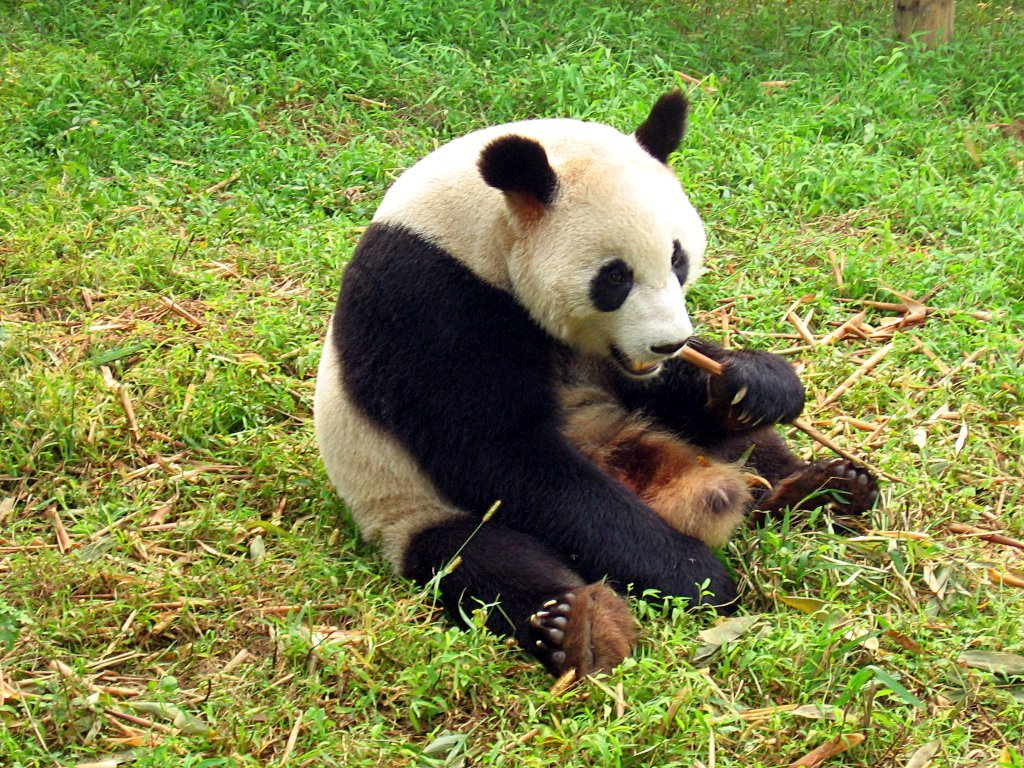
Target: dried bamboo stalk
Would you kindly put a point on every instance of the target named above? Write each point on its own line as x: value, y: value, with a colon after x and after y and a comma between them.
x: 981, y: 533
x: 866, y: 367
x: 826, y: 441
x: 702, y: 361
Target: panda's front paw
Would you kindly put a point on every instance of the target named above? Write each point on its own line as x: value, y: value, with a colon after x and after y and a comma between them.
x: 589, y: 629
x: 836, y: 483
x: 755, y: 389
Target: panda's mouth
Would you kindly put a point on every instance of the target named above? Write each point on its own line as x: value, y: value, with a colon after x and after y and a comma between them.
x: 634, y: 368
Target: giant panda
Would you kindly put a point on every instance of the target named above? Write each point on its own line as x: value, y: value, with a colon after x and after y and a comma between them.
x: 506, y: 339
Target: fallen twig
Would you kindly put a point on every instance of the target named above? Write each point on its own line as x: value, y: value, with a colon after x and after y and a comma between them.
x: 289, y: 747
x: 139, y: 721
x: 845, y: 328
x: 61, y: 533
x: 122, y: 392
x: 1005, y: 579
x: 180, y: 311
x: 801, y: 328
x: 363, y: 100
x: 969, y: 360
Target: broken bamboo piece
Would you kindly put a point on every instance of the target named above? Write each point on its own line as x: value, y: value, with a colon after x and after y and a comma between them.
x: 981, y: 533
x: 828, y: 750
x: 702, y: 361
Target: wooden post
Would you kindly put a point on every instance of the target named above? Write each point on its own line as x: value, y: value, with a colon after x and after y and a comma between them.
x: 931, y: 20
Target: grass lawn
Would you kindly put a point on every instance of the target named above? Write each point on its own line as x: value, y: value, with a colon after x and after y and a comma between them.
x: 180, y: 186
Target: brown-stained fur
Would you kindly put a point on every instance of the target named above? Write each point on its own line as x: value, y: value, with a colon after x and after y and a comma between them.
x: 697, y: 496
x: 600, y: 634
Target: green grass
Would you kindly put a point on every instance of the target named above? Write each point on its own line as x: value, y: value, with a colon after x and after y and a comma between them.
x: 207, y: 528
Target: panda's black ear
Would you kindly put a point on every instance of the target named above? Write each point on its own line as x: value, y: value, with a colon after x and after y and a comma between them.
x: 663, y: 129
x: 518, y: 165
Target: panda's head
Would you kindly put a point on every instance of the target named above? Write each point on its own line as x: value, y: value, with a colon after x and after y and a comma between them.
x: 603, y: 240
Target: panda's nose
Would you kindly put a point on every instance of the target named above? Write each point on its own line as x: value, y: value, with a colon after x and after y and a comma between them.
x: 668, y: 349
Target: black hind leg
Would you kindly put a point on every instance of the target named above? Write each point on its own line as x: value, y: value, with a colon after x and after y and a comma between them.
x: 550, y: 611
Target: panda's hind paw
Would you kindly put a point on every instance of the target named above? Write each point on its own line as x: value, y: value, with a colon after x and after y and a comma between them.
x: 589, y: 629
x: 836, y: 483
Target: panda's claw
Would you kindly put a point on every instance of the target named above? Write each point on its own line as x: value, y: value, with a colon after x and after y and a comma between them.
x: 589, y: 630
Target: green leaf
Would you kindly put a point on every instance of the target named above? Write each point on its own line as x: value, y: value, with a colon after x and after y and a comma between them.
x: 897, y: 688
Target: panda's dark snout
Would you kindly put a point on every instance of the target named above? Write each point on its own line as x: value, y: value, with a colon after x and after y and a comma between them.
x: 667, y: 349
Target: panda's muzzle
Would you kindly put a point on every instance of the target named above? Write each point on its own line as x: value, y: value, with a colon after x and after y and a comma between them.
x: 635, y: 368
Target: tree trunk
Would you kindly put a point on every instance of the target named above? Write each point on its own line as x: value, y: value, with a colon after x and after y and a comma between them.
x: 930, y: 20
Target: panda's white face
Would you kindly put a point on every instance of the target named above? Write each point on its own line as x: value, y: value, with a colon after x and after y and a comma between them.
x: 605, y: 266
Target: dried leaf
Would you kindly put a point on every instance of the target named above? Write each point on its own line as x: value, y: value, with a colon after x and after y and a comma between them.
x: 808, y: 605
x: 960, y: 440
x: 999, y: 662
x: 728, y: 630
x: 904, y: 641
x: 818, y: 712
x: 112, y: 761
x: 720, y: 634
x: 257, y: 549
x: 923, y: 756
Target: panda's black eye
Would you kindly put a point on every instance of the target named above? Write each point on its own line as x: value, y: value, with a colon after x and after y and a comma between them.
x: 680, y: 262
x: 611, y: 285
x: 616, y: 276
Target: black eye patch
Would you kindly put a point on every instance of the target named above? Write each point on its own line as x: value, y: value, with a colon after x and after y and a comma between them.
x: 611, y: 285
x: 680, y: 262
